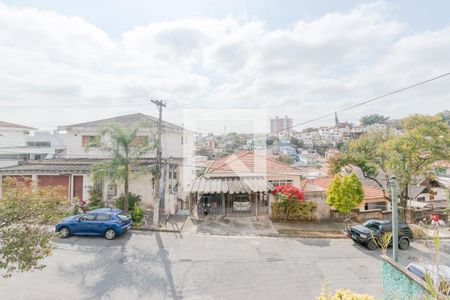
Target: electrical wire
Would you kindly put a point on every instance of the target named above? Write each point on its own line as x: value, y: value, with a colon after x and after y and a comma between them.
x: 367, y: 101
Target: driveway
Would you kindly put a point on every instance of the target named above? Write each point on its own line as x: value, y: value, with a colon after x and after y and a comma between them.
x: 243, y: 226
x: 152, y: 265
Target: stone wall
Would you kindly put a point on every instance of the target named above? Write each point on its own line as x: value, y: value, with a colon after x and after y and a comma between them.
x: 361, y: 216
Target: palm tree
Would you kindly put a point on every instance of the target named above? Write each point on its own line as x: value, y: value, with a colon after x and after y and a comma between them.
x: 126, y: 149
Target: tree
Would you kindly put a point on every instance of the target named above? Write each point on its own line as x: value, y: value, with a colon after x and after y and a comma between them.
x: 285, y: 195
x: 126, y: 150
x: 286, y: 159
x: 23, y: 211
x: 373, y: 119
x: 369, y: 154
x: 297, y: 143
x: 425, y: 140
x: 345, y: 193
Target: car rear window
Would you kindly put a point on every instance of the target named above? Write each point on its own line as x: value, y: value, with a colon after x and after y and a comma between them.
x: 103, y: 217
x: 123, y: 217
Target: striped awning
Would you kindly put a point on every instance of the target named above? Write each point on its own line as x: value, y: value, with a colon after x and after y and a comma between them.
x: 230, y: 185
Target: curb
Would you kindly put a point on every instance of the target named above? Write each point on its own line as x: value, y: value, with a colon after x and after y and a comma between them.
x: 276, y: 235
x: 155, y: 230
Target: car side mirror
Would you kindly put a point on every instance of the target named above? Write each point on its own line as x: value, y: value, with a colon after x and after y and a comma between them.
x: 79, y: 219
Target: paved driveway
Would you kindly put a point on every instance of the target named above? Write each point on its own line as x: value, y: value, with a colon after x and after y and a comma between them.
x: 243, y: 226
x: 194, y: 266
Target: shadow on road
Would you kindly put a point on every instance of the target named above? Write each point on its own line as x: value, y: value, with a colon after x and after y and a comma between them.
x: 162, y: 253
x: 417, y: 252
x: 118, y: 269
x: 315, y: 242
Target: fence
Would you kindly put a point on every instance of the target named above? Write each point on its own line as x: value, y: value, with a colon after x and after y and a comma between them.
x: 361, y: 216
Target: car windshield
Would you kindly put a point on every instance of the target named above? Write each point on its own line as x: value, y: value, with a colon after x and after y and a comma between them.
x: 372, y: 225
x: 122, y: 217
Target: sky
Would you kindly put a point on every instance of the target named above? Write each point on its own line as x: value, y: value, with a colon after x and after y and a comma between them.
x: 65, y: 62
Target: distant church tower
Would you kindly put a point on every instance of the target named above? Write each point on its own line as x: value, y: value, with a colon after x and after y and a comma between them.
x: 336, y: 120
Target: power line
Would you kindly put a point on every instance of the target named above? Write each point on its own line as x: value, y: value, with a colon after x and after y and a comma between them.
x: 367, y: 101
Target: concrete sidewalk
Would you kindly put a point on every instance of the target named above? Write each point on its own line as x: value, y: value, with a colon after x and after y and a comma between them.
x: 173, y: 223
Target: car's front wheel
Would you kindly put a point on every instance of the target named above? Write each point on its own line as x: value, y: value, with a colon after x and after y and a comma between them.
x: 64, y: 232
x: 110, y: 234
x: 403, y: 244
x: 371, y: 245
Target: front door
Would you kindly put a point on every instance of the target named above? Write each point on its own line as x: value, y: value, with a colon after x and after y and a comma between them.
x: 78, y: 187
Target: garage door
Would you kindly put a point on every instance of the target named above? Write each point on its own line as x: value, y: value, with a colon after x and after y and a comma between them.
x: 25, y: 178
x: 55, y: 180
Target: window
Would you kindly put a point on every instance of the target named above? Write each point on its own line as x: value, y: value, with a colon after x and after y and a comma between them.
x: 173, y: 172
x: 281, y: 182
x: 103, y: 217
x: 142, y: 140
x: 38, y: 144
x: 91, y: 141
x: 112, y: 190
x: 88, y: 217
x: 123, y: 217
x: 241, y: 198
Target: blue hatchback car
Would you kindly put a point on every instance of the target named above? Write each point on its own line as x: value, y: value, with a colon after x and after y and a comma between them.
x: 108, y: 222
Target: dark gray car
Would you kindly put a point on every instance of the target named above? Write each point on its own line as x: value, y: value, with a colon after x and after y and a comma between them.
x: 368, y: 233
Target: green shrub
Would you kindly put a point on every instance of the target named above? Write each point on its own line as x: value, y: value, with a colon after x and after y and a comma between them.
x: 133, y: 199
x: 298, y: 211
x: 137, y: 214
x: 95, y: 199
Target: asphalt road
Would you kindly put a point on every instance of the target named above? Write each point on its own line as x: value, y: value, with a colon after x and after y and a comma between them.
x: 148, y: 265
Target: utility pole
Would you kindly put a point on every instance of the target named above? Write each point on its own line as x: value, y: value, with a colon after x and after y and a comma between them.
x: 157, y: 195
x: 394, y: 222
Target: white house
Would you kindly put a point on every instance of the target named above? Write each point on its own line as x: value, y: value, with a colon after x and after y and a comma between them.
x: 12, y: 141
x: 78, y: 150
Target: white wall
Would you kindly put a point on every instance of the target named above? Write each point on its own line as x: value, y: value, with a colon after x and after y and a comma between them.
x: 170, y: 142
x: 12, y: 137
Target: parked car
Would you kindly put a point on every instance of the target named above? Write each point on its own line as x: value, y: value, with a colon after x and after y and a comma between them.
x: 108, y: 222
x: 241, y: 203
x: 439, y: 275
x: 368, y: 233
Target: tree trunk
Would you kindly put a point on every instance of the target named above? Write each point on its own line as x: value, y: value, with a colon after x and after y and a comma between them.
x: 286, y: 212
x: 403, y: 204
x: 125, y: 201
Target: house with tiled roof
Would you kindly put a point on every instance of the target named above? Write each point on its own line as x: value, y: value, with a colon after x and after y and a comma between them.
x: 373, y: 196
x: 241, y: 183
x: 253, y: 163
x: 71, y: 166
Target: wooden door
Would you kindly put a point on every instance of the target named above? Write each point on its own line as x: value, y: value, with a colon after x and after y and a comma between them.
x: 78, y: 187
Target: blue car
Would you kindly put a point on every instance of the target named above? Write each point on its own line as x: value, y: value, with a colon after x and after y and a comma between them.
x: 108, y: 222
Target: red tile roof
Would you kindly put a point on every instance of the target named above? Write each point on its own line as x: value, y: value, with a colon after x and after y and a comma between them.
x: 369, y: 191
x: 247, y: 162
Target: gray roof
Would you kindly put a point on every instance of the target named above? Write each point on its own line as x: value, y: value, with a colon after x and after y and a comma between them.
x: 12, y: 125
x: 62, y: 166
x: 132, y: 120
x: 414, y: 191
x: 29, y: 169
x: 230, y: 185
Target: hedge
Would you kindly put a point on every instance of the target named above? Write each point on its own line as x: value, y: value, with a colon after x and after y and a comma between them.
x: 297, y: 211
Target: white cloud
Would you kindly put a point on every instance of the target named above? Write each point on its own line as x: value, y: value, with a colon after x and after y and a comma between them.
x: 305, y: 70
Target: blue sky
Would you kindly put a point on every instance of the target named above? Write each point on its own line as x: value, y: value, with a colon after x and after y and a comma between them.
x: 301, y: 58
